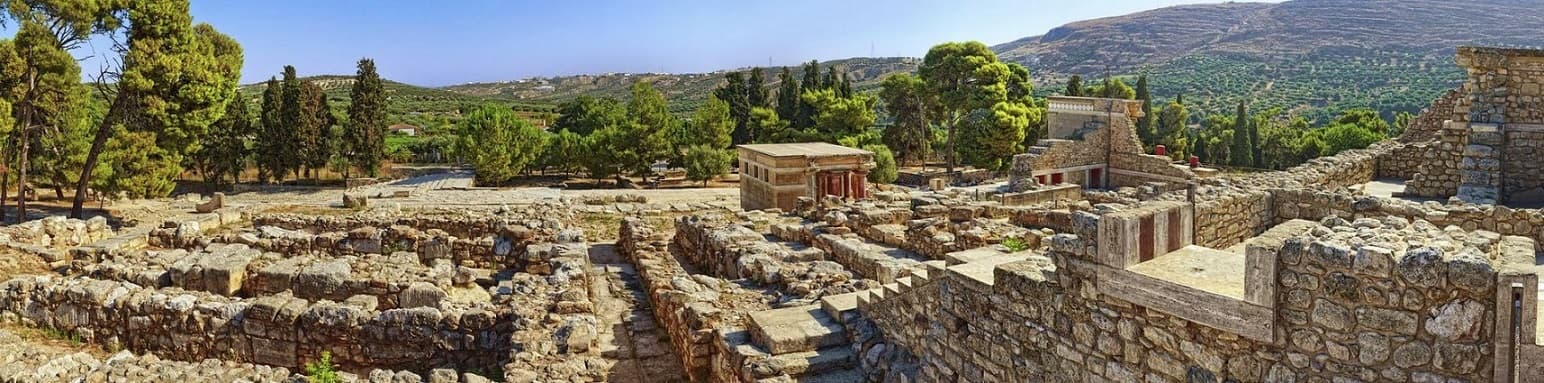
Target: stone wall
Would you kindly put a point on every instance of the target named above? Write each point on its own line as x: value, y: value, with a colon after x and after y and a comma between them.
x: 684, y: 309
x: 1350, y: 311
x: 1522, y: 173
x: 731, y: 250
x: 503, y: 246
x: 275, y: 330
x: 453, y: 222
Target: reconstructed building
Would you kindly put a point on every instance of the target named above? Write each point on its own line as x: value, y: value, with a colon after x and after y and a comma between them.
x: 1092, y: 144
x: 776, y: 175
x: 1485, y: 152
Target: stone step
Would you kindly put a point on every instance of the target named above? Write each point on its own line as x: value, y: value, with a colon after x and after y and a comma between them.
x: 796, y: 329
x: 835, y: 376
x: 840, y: 307
x: 823, y: 363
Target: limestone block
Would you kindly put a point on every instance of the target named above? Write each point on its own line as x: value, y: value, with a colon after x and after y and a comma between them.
x: 421, y: 294
x: 323, y: 279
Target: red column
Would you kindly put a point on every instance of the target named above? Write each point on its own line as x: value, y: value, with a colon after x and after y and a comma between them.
x: 860, y: 181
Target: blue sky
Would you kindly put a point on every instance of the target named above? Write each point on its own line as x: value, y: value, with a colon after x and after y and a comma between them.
x: 455, y: 41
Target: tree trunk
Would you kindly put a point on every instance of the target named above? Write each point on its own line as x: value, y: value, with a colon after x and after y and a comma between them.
x: 21, y: 160
x: 104, y: 129
x: 949, y: 166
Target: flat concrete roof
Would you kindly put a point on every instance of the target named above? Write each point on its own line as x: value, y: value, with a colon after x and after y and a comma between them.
x: 804, y: 149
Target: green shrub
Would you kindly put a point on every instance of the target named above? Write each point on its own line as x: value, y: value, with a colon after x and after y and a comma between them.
x: 1016, y: 244
x: 884, y: 165
x: 322, y: 371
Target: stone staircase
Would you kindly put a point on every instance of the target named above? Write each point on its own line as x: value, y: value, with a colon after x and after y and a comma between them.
x: 806, y: 343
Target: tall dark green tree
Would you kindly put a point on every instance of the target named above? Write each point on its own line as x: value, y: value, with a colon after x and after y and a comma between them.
x: 832, y: 80
x: 1241, y: 153
x: 809, y: 82
x: 756, y: 91
x: 290, y: 118
x: 1075, y: 86
x: 845, y: 89
x: 1146, y: 129
x: 908, y: 101
x: 365, y: 136
x: 227, y: 149
x: 787, y: 96
x: 315, y: 124
x: 734, y: 92
x: 274, y: 145
x: 1172, y: 132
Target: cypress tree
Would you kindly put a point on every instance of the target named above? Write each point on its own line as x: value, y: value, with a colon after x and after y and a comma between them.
x: 734, y: 93
x: 364, y: 139
x: 273, y: 141
x: 1075, y: 86
x: 809, y: 83
x: 756, y: 91
x: 787, y: 96
x: 831, y: 81
x: 290, y: 118
x: 315, y: 127
x: 1241, y: 154
x: 846, y: 88
x: 1145, y: 128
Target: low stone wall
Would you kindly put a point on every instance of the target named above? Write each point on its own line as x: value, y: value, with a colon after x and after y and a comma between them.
x: 681, y: 307
x: 1043, y: 195
x: 731, y: 250
x: 56, y: 232
x: 274, y: 330
x: 502, y: 248
x: 1350, y: 311
x: 456, y: 223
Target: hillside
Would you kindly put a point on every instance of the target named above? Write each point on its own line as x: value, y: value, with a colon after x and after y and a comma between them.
x: 1316, y: 57
x: 408, y: 103
x: 1313, y: 57
x: 685, y: 91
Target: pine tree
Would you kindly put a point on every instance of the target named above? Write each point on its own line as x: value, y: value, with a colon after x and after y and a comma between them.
x: 1241, y: 154
x: 1145, y: 128
x: 365, y: 136
x: 176, y: 80
x: 787, y: 96
x: 756, y: 91
x: 1075, y: 86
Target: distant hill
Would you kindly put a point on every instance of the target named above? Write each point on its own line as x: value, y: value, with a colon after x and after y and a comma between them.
x: 1312, y: 57
x: 412, y: 104
x: 685, y: 91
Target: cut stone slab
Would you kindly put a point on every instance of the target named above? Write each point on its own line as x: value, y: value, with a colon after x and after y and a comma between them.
x: 796, y: 329
x: 1210, y: 270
